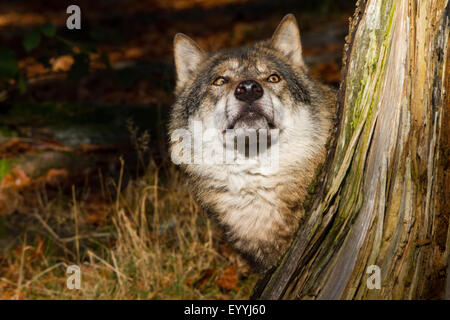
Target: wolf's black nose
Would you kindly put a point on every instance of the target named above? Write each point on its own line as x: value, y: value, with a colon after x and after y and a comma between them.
x: 248, y: 91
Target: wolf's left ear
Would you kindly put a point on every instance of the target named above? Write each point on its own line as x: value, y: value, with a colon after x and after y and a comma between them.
x: 188, y: 56
x: 286, y: 39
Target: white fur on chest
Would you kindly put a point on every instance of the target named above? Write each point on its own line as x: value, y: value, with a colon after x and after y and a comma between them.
x: 250, y: 207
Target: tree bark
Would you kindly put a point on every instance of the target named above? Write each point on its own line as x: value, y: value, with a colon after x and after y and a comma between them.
x: 384, y: 187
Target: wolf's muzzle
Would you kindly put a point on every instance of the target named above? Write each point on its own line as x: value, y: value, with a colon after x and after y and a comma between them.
x: 248, y: 91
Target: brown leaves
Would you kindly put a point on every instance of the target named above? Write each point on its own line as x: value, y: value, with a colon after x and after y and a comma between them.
x: 228, y: 280
x: 13, y: 146
x: 61, y: 63
x: 97, y: 211
x: 31, y: 171
x: 25, y: 258
x: 56, y: 176
x: 18, y: 146
x: 16, y: 180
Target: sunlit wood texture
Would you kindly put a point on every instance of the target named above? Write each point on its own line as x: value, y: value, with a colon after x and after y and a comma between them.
x: 382, y: 197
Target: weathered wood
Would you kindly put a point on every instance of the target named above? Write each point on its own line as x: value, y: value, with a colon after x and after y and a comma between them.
x: 381, y: 197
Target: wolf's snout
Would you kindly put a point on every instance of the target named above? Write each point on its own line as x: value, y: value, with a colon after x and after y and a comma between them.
x: 248, y: 91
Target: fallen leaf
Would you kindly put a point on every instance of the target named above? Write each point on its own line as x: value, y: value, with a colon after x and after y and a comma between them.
x: 55, y: 176
x: 229, y: 278
x: 61, y: 63
x: 16, y: 180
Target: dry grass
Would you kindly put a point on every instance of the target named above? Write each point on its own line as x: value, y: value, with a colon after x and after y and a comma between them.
x: 150, y: 240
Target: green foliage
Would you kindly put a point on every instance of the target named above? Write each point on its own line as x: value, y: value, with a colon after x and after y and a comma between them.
x: 44, y: 42
x: 48, y: 30
x: 5, y: 168
x: 8, y: 63
x: 10, y: 75
x: 32, y: 40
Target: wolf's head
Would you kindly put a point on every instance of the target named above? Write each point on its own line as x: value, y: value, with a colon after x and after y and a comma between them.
x: 264, y: 86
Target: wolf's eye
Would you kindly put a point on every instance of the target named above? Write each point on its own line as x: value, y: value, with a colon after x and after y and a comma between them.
x: 220, y: 81
x: 274, y: 78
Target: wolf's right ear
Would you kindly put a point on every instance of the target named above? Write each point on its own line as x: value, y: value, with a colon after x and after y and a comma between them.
x: 188, y: 56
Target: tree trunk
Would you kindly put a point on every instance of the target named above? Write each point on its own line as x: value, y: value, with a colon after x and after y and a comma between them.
x: 386, y: 179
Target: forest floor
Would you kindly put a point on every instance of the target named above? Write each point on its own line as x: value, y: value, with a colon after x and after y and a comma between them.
x: 85, y: 177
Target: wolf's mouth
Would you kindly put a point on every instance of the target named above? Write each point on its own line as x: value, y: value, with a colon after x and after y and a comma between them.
x: 252, y: 118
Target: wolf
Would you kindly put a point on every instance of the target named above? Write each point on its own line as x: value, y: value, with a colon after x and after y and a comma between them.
x: 263, y: 89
